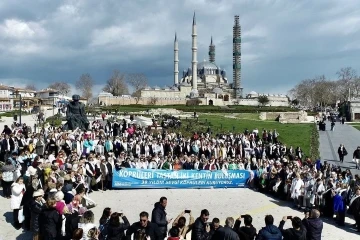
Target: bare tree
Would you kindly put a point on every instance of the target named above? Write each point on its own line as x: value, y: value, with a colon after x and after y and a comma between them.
x: 138, y: 81
x: 31, y: 87
x: 85, y: 85
x: 116, y: 85
x: 62, y: 87
x: 153, y: 101
x: 347, y: 77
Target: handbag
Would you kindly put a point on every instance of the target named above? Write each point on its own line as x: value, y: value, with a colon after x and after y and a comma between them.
x: 21, y: 217
x: 93, y: 181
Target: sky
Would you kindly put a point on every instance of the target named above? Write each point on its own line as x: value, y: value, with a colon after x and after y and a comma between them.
x: 283, y: 41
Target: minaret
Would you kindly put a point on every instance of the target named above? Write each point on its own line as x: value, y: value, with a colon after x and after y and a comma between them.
x: 194, y: 58
x: 237, y: 57
x: 176, y: 61
x: 211, y: 51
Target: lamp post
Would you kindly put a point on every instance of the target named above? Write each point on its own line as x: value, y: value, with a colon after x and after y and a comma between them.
x: 16, y: 94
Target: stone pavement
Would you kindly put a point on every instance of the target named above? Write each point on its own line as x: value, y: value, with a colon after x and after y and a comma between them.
x: 331, y: 140
x: 221, y: 203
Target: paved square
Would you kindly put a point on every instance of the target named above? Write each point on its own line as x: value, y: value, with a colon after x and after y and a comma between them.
x: 220, y: 202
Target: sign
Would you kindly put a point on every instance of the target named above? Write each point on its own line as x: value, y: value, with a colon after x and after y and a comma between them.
x: 151, y: 178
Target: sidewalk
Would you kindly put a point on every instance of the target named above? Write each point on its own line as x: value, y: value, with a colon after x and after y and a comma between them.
x: 331, y: 140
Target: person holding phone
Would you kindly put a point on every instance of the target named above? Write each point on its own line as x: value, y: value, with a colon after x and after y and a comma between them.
x: 180, y: 222
x: 297, y: 232
x: 248, y: 229
x: 158, y: 216
x: 201, y: 228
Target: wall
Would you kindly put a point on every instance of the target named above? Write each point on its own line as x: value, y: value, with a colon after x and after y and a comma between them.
x: 255, y: 102
x: 355, y: 110
x: 285, y: 117
x: 143, y: 101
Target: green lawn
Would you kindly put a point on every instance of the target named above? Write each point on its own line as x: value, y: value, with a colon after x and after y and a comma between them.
x: 290, y: 134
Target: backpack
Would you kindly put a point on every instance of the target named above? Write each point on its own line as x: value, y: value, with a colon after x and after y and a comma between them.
x: 104, y: 230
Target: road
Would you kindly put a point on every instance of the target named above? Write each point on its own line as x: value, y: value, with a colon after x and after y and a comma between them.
x: 331, y: 140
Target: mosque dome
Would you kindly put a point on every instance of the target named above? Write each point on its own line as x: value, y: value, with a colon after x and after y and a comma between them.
x: 218, y: 90
x: 207, y: 65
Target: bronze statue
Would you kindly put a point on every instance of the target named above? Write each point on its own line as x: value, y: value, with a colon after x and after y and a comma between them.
x: 75, y: 115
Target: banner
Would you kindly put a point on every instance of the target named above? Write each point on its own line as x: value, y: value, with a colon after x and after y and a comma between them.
x: 150, y: 178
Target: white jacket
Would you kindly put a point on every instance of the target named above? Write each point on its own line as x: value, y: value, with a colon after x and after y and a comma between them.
x: 16, y: 195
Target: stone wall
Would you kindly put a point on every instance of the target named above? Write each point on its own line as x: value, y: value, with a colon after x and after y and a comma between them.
x: 104, y: 100
x: 285, y: 117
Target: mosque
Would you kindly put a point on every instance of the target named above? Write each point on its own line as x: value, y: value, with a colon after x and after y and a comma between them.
x: 204, y: 81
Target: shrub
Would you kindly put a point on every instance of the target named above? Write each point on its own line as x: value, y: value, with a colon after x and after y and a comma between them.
x: 193, y: 102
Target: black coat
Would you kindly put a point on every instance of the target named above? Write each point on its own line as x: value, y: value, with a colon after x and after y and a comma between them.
x: 314, y: 227
x: 198, y: 230
x: 158, y: 216
x: 36, y: 210
x: 150, y: 230
x: 71, y: 223
x: 50, y: 221
x: 225, y: 233
x: 249, y: 232
x: 117, y: 232
x: 291, y: 233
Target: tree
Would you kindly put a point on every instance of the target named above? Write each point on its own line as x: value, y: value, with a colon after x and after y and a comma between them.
x: 30, y: 87
x: 116, y: 85
x: 295, y: 102
x: 263, y: 100
x: 347, y: 80
x: 138, y: 81
x: 62, y: 87
x: 85, y: 85
x: 152, y: 101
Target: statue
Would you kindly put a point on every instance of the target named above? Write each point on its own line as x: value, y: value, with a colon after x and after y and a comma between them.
x: 75, y: 115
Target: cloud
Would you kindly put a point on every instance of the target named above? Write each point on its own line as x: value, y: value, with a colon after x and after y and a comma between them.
x: 283, y: 41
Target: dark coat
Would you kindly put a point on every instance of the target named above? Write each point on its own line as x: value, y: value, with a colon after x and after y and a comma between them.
x: 117, y: 232
x: 314, y: 227
x: 71, y: 223
x: 291, y: 233
x: 36, y: 210
x: 150, y: 230
x: 158, y: 216
x: 269, y: 232
x: 225, y: 233
x: 198, y: 230
x: 250, y: 232
x: 50, y: 221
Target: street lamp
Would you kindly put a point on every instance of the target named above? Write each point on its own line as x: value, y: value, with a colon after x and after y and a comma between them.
x: 16, y: 94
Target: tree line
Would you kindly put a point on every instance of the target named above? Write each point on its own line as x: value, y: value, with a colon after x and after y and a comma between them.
x: 322, y: 92
x: 118, y: 84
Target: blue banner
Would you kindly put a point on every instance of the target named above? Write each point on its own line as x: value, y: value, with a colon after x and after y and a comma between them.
x: 149, y: 178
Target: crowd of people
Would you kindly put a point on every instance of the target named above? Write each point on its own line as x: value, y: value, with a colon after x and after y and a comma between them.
x: 49, y: 175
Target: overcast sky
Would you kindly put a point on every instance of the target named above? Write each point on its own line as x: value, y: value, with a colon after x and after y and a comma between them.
x: 283, y: 41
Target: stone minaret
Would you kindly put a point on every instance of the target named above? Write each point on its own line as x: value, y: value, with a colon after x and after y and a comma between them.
x: 211, y: 51
x: 176, y: 61
x: 194, y: 56
x: 237, y: 57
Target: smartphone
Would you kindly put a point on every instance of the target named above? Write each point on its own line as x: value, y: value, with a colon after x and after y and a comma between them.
x: 187, y: 211
x: 289, y: 217
x: 242, y: 216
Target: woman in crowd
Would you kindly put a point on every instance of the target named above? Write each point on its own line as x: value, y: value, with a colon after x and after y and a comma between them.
x: 17, y: 192
x: 36, y: 207
x: 116, y: 229
x: 50, y: 221
x: 7, y: 178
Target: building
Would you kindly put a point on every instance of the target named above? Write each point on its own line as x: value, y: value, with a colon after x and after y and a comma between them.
x: 204, y: 80
x: 51, y: 97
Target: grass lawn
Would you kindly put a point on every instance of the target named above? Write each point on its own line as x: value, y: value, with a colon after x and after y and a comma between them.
x: 291, y: 134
